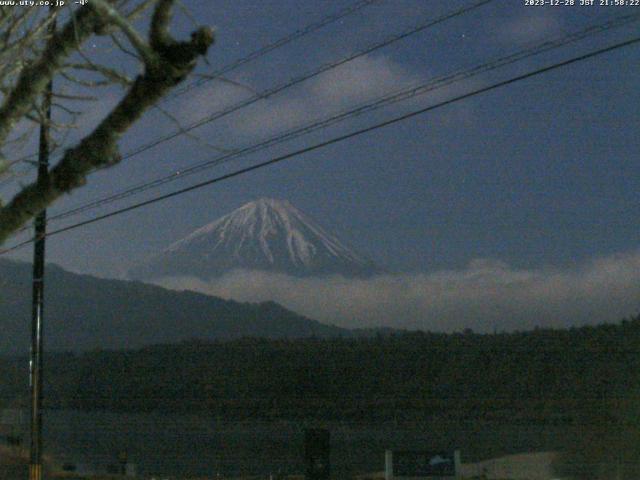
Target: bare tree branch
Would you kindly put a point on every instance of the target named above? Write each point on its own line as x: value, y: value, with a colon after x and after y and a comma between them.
x: 166, y: 63
x: 34, y: 78
x: 113, y: 17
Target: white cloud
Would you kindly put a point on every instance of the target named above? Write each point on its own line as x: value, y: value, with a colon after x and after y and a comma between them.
x: 212, y: 97
x: 349, y: 85
x: 484, y: 296
x: 359, y: 80
x: 337, y: 90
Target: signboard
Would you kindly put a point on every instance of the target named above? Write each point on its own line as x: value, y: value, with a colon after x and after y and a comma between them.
x: 421, y: 464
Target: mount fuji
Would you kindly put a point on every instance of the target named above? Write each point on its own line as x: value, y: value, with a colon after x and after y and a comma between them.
x: 267, y: 235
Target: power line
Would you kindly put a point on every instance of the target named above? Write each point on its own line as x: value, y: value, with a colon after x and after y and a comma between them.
x: 385, y: 100
x: 338, y: 139
x: 297, y: 80
x: 281, y: 42
x: 304, y: 77
x: 323, y: 68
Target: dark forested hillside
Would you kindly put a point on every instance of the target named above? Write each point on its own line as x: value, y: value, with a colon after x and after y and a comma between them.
x: 543, y: 375
x: 573, y: 390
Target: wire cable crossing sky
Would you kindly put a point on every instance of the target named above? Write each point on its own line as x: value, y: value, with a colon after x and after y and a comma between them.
x: 522, y: 177
x: 381, y: 102
x: 348, y: 136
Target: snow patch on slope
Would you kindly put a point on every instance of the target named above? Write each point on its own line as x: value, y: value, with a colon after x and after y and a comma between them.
x: 265, y: 234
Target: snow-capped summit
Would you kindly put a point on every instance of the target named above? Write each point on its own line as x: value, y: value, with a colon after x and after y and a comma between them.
x: 266, y: 234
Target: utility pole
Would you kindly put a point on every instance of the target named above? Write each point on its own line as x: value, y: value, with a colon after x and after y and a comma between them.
x: 35, y: 363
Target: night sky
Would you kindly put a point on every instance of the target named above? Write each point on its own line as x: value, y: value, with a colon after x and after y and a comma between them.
x: 537, y: 178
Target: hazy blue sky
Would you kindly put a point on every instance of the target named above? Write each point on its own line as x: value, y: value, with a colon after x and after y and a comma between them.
x: 540, y: 174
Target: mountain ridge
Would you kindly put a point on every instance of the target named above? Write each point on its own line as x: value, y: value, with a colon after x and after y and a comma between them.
x: 266, y: 234
x: 83, y: 312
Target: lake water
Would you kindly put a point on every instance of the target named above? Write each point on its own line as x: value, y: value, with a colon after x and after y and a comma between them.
x: 196, y: 445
